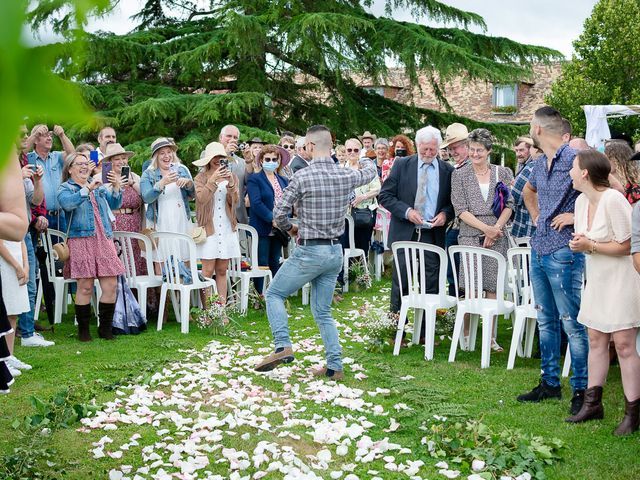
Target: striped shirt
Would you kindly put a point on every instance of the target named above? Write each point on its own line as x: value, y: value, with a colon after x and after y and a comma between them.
x: 320, y: 194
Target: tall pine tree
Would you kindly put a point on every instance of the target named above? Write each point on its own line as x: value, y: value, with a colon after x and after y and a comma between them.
x: 272, y: 65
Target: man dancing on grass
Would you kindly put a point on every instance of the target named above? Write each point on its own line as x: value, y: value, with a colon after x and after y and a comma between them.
x: 320, y: 193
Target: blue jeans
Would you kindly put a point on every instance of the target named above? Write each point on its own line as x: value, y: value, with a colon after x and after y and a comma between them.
x: 269, y: 253
x: 26, y: 322
x: 319, y: 265
x: 451, y: 240
x: 557, y: 285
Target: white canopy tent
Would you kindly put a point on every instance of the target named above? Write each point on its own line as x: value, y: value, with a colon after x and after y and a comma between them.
x: 597, y: 125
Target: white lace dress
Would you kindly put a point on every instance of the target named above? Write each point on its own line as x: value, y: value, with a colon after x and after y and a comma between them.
x: 172, y: 218
x: 224, y: 243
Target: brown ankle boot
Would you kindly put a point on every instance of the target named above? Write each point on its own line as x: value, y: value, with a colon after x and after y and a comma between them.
x: 106, y: 320
x: 631, y: 420
x: 591, y: 408
x: 83, y: 316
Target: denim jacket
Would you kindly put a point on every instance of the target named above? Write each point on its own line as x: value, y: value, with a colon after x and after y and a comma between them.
x: 150, y: 191
x: 76, y: 201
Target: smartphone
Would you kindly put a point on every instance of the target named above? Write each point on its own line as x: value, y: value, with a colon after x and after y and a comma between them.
x: 126, y: 171
x: 426, y: 225
x: 93, y: 156
x: 106, y: 168
x: 401, y: 152
x: 173, y: 167
x: 224, y: 163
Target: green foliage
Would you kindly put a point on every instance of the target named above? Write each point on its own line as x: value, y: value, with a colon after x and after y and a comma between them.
x: 185, y: 72
x: 505, y: 452
x: 605, y: 68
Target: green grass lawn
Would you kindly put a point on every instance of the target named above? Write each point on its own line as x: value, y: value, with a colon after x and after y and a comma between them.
x: 161, y: 360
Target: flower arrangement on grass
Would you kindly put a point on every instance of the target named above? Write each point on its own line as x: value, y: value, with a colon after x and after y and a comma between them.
x: 359, y: 275
x: 378, y: 326
x: 216, y: 316
x: 445, y: 321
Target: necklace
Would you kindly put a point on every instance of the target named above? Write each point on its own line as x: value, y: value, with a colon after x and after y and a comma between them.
x: 483, y: 173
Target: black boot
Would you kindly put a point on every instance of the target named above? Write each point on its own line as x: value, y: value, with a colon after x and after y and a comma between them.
x: 631, y: 420
x: 83, y: 316
x: 106, y: 320
x: 591, y: 407
x: 542, y: 392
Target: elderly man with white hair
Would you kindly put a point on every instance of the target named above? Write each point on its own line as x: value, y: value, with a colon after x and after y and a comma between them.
x: 417, y: 192
x: 302, y: 157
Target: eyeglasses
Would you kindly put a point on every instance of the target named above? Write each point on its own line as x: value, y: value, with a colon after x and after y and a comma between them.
x: 48, y: 134
x: 288, y: 146
x: 353, y: 150
x: 80, y: 164
x: 270, y: 159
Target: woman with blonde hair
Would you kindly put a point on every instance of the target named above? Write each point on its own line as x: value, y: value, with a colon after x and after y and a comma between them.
x: 625, y: 167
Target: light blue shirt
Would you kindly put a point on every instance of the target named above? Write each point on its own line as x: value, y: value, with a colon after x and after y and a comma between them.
x: 433, y: 187
x: 52, y: 178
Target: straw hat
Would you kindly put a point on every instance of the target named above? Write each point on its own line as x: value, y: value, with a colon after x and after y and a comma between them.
x: 456, y: 132
x: 114, y: 149
x: 161, y: 142
x: 214, y: 149
x: 367, y: 134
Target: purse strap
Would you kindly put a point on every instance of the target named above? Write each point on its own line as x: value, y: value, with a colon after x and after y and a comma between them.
x: 69, y: 224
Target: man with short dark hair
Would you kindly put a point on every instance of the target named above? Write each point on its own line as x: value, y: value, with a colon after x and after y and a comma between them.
x: 567, y: 130
x: 321, y: 194
x: 106, y: 136
x: 522, y: 226
x: 556, y: 271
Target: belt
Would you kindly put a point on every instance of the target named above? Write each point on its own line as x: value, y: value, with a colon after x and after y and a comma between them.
x: 318, y: 241
x: 127, y: 211
x: 53, y: 213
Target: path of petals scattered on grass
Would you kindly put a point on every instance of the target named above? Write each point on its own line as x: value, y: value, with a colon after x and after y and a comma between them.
x: 211, y: 416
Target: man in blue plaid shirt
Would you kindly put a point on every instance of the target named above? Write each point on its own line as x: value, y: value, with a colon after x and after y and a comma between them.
x: 320, y: 193
x: 522, y: 225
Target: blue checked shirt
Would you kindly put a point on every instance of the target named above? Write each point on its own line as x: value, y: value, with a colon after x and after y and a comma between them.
x: 320, y: 193
x: 522, y: 225
x: 52, y: 177
x: 555, y: 196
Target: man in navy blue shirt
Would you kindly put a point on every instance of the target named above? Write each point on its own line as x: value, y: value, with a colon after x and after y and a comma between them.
x: 556, y: 271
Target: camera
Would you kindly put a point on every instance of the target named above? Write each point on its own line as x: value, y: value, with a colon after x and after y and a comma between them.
x: 401, y: 152
x: 224, y: 163
x: 242, y: 146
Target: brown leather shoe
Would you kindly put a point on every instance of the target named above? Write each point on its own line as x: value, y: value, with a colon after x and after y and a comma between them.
x: 322, y: 372
x: 631, y: 420
x: 276, y: 358
x: 592, y: 408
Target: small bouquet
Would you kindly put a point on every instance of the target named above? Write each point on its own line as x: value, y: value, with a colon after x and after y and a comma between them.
x: 216, y: 316
x: 445, y: 321
x: 379, y: 326
x: 359, y: 275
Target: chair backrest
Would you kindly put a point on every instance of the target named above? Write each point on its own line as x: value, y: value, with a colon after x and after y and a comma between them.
x: 125, y: 242
x: 471, y: 264
x: 248, y: 248
x: 519, y: 241
x: 351, y: 229
x: 415, y: 255
x: 50, y: 237
x: 519, y: 269
x: 168, y: 244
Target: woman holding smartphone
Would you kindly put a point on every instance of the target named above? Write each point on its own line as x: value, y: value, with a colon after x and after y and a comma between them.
x: 216, y: 199
x: 166, y: 187
x: 92, y: 254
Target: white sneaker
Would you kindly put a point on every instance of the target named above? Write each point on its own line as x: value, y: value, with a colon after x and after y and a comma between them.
x: 13, y: 371
x: 12, y: 361
x: 36, y: 340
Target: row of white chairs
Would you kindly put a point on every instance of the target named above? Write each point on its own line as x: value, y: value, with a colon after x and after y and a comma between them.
x: 521, y: 305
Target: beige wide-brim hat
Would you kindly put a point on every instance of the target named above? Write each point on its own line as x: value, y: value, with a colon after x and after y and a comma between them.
x: 162, y: 142
x: 115, y: 149
x: 367, y: 134
x: 456, y: 132
x: 214, y: 149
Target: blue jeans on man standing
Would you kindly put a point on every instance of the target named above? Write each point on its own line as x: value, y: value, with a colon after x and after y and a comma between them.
x: 26, y: 322
x: 320, y: 265
x: 557, y: 286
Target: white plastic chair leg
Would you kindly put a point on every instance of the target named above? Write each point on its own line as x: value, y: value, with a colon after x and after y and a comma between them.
x: 529, y: 336
x: 345, y: 275
x: 473, y: 331
x: 59, y: 302
x: 487, y: 335
x: 378, y: 265
x: 516, y: 339
x: 244, y: 295
x: 142, y: 300
x: 418, y: 316
x: 184, y: 311
x: 36, y: 313
x: 402, y: 320
x: 163, y: 301
x: 306, y: 293
x: 429, y: 333
x: 458, y: 329
x: 567, y: 363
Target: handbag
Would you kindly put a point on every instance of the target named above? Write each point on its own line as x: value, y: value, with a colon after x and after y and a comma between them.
x: 128, y: 318
x: 62, y: 249
x: 500, y: 197
x: 199, y: 235
x: 363, y: 217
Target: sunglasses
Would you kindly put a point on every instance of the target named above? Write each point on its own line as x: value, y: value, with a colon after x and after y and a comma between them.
x: 353, y: 150
x: 270, y: 159
x: 288, y: 146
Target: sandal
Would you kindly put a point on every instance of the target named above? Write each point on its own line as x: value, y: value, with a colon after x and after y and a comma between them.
x: 495, y: 347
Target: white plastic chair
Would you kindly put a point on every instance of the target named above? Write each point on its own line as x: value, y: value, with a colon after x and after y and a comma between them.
x: 352, y: 252
x: 141, y: 283
x: 60, y: 284
x: 378, y: 258
x: 474, y: 303
x: 415, y: 255
x: 167, y: 243
x: 235, y: 271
